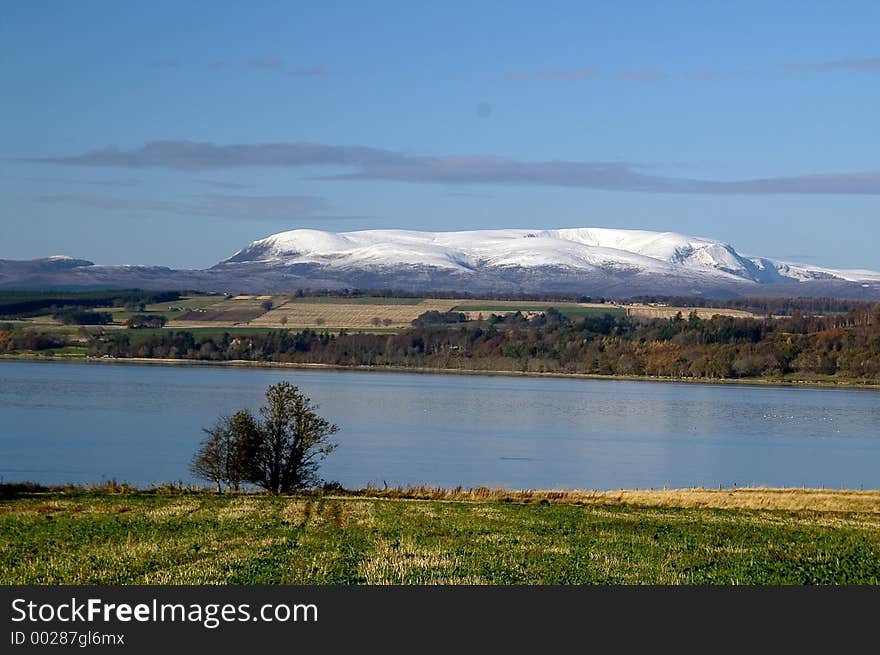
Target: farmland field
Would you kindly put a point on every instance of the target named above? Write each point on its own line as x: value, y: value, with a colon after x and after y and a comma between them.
x: 176, y: 537
x: 358, y: 300
x: 348, y: 315
x: 257, y: 313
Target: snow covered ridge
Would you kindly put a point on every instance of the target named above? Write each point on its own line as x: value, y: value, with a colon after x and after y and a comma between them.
x: 577, y: 250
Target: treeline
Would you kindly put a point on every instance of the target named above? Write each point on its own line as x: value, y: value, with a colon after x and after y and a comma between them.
x: 146, y: 321
x: 765, y: 305
x: 12, y: 341
x: 22, y: 304
x: 76, y: 316
x: 847, y: 346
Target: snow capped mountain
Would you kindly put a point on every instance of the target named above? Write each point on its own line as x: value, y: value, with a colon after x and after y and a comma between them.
x: 585, y: 251
x: 572, y: 248
x: 583, y: 261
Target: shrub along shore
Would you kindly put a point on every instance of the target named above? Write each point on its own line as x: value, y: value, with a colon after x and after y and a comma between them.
x: 115, y: 534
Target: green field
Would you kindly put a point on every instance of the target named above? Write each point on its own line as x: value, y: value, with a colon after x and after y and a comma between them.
x: 187, y: 302
x: 83, y: 537
x: 180, y: 307
x: 54, y: 328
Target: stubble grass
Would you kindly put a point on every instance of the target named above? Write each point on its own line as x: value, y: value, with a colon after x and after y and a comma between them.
x: 87, y: 537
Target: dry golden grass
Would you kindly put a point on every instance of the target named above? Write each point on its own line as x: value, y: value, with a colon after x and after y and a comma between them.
x: 299, y: 315
x: 647, y: 311
x: 391, y: 563
x: 525, y: 304
x: 353, y: 315
x: 758, y: 498
x: 484, y: 536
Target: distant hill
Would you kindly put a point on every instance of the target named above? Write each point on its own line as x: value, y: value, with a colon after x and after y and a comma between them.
x: 591, y: 261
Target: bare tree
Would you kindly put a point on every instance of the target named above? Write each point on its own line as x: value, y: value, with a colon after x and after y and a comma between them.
x: 225, y: 453
x: 209, y: 462
x: 281, y: 452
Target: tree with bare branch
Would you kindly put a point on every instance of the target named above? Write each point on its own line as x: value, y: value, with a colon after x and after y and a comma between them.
x: 279, y: 452
x: 209, y: 462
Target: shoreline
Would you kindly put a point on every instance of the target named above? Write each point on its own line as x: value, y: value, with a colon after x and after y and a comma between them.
x: 244, y: 363
x: 813, y: 499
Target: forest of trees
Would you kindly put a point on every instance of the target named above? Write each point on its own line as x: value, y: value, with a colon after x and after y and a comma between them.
x: 22, y: 304
x: 843, y: 345
x: 76, y: 316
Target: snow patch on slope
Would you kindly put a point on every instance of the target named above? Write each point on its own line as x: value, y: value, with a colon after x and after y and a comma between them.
x: 578, y: 249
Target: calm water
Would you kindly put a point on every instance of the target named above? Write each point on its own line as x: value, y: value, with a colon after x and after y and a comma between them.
x: 63, y: 422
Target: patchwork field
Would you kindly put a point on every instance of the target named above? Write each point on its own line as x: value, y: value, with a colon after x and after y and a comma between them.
x: 299, y: 314
x: 82, y: 537
x: 358, y: 300
x: 374, y: 312
x: 228, y: 310
x: 363, y: 313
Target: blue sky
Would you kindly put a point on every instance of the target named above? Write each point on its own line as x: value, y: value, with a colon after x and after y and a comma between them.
x: 137, y: 132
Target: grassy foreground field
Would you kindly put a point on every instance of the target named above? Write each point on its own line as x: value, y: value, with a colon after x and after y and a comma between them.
x: 442, y: 537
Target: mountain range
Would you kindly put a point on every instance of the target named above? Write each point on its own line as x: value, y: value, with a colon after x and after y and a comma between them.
x: 585, y: 261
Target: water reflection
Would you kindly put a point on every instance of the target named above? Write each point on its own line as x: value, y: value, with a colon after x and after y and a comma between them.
x: 81, y: 423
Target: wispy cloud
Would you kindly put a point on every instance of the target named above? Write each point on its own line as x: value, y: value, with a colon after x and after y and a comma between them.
x: 167, y: 62
x: 276, y: 208
x: 641, y: 75
x: 864, y: 65
x: 703, y: 74
x: 278, y: 65
x: 469, y: 194
x: 310, y: 71
x: 268, y: 63
x: 551, y: 74
x: 365, y: 163
x: 264, y: 208
x: 196, y: 156
x: 223, y: 184
x: 104, y: 182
